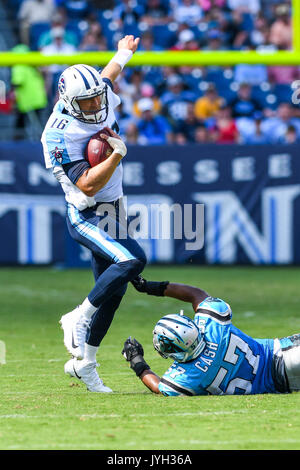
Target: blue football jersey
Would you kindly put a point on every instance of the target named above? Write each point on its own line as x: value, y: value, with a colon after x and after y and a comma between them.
x: 232, y: 363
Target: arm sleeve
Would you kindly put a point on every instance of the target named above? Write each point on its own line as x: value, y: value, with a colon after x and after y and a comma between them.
x: 74, y: 170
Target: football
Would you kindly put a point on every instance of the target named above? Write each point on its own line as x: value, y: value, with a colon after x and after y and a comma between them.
x: 98, y: 149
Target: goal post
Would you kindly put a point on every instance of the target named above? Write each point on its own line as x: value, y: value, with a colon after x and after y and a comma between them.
x: 169, y: 58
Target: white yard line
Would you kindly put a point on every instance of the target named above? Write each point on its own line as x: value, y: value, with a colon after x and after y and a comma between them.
x: 114, y: 415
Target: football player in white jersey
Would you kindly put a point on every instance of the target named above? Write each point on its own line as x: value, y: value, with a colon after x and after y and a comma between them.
x: 86, y: 105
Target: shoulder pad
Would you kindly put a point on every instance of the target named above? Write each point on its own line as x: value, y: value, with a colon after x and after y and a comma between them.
x: 215, y: 308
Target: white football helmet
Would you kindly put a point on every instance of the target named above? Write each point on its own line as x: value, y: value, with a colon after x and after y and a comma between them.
x: 80, y: 82
x: 178, y: 337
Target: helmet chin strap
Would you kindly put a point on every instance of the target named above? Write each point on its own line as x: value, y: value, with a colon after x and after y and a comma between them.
x: 181, y: 312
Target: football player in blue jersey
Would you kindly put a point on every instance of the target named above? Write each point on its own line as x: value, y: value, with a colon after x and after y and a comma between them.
x: 86, y: 105
x: 211, y: 356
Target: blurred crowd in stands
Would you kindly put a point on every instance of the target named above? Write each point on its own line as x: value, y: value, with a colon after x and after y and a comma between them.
x: 241, y: 104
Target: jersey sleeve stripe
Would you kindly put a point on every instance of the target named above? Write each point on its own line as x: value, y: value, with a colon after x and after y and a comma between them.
x: 176, y: 388
x: 224, y: 318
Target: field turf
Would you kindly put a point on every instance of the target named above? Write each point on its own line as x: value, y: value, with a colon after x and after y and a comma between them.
x: 42, y: 408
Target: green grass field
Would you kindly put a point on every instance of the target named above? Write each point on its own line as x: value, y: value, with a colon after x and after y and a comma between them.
x: 42, y: 408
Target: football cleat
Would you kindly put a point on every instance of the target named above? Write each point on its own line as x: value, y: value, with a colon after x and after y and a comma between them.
x: 75, y: 328
x: 86, y: 372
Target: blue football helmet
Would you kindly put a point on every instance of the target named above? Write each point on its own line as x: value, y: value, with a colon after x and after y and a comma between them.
x: 178, y: 337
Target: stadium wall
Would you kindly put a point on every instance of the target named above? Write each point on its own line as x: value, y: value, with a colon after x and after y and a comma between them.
x: 251, y: 197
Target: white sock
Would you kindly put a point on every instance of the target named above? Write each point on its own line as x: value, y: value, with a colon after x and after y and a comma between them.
x: 87, y: 309
x: 90, y: 352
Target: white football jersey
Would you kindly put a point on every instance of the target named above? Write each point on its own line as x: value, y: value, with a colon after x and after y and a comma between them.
x: 64, y: 140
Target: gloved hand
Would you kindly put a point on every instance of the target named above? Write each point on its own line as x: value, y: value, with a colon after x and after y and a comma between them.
x: 150, y: 287
x: 134, y: 353
x: 115, y: 142
x: 139, y: 283
x: 132, y: 348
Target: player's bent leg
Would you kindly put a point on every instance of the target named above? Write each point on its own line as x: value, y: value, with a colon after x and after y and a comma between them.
x: 86, y: 372
x: 126, y: 258
x: 291, y: 356
x: 103, y: 318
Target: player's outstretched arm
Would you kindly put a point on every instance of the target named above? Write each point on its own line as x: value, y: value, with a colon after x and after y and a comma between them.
x: 134, y: 353
x: 182, y: 292
x: 126, y: 48
x: 93, y: 179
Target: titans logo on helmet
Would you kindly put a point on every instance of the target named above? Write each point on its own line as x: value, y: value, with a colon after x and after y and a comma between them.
x: 61, y: 85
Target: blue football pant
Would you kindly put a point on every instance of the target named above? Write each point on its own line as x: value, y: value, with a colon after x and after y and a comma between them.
x: 103, y: 318
x: 115, y: 262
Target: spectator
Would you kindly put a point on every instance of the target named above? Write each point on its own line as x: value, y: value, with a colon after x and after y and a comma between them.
x: 93, y: 39
x: 132, y: 134
x: 127, y: 14
x: 187, y: 127
x: 281, y: 29
x: 238, y: 37
x: 186, y: 41
x: 58, y: 21
x: 201, y: 135
x: 175, y: 100
x: 179, y: 139
x: 250, y: 129
x: 156, y: 12
x: 209, y: 104
x: 129, y: 88
x: 93, y: 42
x: 275, y: 128
x: 259, y: 36
x: 290, y: 136
x: 153, y: 129
x: 56, y: 47
x: 224, y: 130
x: 147, y: 91
x: 147, y: 42
x: 214, y: 41
x: 243, y: 105
x: 29, y: 94
x: 32, y: 12
x: 188, y: 12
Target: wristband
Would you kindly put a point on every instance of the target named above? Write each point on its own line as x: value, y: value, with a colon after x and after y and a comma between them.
x: 156, y: 288
x: 138, y: 364
x: 122, y: 57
